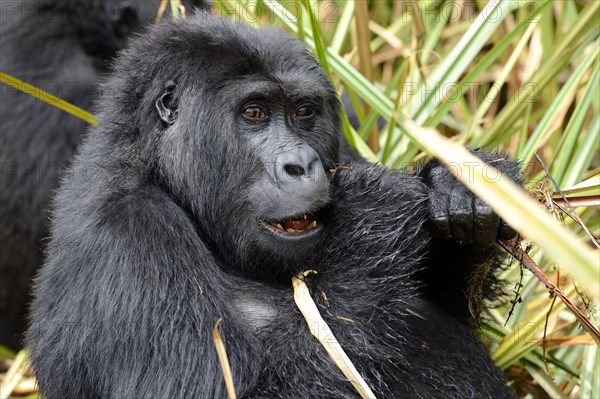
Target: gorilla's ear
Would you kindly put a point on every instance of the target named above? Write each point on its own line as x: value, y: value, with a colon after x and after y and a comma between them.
x: 166, y: 105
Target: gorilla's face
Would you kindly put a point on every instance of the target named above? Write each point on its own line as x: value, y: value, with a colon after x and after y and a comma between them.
x: 246, y: 134
x: 273, y: 145
x: 266, y: 138
x: 280, y: 120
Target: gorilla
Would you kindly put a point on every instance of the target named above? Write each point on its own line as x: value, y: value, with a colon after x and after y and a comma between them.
x: 214, y: 177
x: 63, y: 47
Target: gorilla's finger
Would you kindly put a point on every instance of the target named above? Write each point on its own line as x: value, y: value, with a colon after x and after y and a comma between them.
x: 505, y: 232
x: 461, y: 217
x: 439, y: 222
x: 486, y: 224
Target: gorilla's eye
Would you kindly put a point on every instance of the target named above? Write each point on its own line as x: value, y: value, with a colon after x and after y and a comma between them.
x: 254, y: 112
x: 305, y: 111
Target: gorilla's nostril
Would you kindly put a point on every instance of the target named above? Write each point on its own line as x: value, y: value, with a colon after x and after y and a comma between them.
x: 294, y: 170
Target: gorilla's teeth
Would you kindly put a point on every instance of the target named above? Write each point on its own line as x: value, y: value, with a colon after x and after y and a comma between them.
x: 294, y: 226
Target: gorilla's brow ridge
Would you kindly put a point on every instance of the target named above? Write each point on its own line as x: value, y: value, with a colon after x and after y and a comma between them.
x: 267, y: 89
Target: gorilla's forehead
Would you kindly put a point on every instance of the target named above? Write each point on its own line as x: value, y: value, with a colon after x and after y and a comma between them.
x: 291, y: 86
x: 249, y: 60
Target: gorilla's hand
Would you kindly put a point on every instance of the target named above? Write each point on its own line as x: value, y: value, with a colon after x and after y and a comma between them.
x: 456, y: 213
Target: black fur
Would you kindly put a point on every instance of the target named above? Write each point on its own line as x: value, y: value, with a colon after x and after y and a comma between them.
x: 63, y: 47
x: 157, y: 235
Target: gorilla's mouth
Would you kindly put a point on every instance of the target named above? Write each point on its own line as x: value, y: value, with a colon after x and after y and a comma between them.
x: 296, y: 225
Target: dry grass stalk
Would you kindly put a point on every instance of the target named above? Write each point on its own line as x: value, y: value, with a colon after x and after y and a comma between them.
x: 224, y: 360
x: 161, y: 11
x: 323, y: 333
x: 15, y: 373
x: 26, y: 386
x: 526, y: 261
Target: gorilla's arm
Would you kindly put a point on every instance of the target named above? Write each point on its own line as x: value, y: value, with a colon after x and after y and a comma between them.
x: 430, y: 211
x: 148, y: 295
x: 376, y: 222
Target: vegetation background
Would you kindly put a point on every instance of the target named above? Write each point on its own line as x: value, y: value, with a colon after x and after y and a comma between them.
x: 523, y: 77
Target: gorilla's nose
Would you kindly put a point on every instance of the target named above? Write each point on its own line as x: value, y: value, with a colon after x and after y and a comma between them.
x: 300, y: 172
